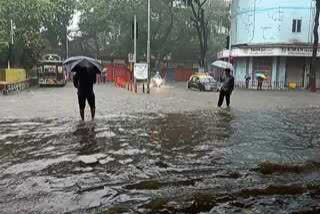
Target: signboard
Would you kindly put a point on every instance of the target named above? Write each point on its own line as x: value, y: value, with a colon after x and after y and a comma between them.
x: 298, y: 51
x: 141, y: 71
x: 60, y: 69
x: 277, y: 51
x: 260, y: 51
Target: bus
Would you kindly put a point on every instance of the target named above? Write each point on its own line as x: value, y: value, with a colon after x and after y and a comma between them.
x: 51, y: 71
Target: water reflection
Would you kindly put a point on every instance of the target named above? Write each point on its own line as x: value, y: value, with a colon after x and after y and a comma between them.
x: 184, y: 163
x: 86, y: 136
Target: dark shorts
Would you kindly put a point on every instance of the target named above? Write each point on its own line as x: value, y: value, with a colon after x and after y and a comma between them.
x: 82, y: 97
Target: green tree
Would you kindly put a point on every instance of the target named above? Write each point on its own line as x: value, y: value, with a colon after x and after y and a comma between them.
x: 95, y: 25
x: 37, y: 24
x: 106, y: 29
x: 201, y: 24
x: 26, y: 17
x: 57, y: 17
x: 209, y: 18
x: 108, y: 25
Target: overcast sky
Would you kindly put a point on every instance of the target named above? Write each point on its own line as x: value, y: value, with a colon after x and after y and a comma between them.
x: 75, y: 21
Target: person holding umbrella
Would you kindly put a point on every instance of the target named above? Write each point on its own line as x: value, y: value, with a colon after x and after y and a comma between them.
x: 226, y: 89
x: 83, y: 81
x: 86, y: 71
x: 228, y: 83
x: 247, y: 78
x: 260, y: 78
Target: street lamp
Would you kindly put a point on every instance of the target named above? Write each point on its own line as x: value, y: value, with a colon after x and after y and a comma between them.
x: 60, y: 51
x: 67, y: 44
x: 10, y: 45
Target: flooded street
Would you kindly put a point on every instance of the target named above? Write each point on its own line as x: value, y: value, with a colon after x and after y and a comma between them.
x: 159, y: 107
x: 207, y: 160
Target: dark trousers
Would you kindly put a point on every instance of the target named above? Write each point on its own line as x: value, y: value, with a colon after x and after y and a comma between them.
x: 86, y: 96
x: 259, y: 85
x: 247, y: 83
x: 223, y: 94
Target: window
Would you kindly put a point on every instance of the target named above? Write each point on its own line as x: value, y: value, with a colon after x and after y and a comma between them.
x: 296, y: 25
x: 299, y: 25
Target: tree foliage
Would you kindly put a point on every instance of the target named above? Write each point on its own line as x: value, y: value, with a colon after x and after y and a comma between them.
x: 106, y: 29
x: 209, y: 18
x: 34, y: 22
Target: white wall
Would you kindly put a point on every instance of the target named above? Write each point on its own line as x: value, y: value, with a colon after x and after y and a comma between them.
x: 270, y: 21
x: 241, y: 69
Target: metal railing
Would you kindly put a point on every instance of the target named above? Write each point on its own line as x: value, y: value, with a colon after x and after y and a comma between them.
x: 270, y: 85
x: 7, y: 88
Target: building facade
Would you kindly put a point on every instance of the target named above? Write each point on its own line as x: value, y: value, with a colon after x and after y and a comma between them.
x: 273, y: 37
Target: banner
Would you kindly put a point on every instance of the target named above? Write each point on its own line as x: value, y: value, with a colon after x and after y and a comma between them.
x: 141, y: 71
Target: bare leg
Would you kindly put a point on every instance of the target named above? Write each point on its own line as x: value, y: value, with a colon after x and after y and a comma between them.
x: 82, y: 114
x: 93, y: 112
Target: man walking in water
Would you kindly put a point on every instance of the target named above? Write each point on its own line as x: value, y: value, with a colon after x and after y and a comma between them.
x: 226, y: 89
x: 83, y: 81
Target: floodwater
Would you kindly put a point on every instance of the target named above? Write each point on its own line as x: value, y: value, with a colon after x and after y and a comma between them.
x: 214, y: 161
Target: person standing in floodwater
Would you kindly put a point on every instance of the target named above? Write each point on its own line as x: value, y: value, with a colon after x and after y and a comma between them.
x: 83, y: 81
x: 226, y: 89
x: 247, y: 78
x: 260, y: 82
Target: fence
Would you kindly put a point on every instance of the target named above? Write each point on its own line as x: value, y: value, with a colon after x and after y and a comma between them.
x: 7, y: 88
x: 183, y: 74
x: 119, y: 74
x: 270, y: 85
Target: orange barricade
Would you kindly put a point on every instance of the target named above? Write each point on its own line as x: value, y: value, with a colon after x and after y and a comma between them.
x: 119, y: 74
x: 115, y: 70
x: 121, y: 82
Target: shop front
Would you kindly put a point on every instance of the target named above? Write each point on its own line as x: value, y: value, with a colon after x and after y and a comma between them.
x: 283, y: 66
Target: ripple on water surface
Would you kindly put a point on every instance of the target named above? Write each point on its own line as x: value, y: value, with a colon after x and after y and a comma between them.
x: 189, y: 163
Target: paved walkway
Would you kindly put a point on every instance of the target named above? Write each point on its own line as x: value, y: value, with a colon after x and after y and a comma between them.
x: 174, y: 97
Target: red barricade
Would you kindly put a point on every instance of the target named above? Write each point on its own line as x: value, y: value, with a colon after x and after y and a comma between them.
x: 119, y: 74
x: 121, y: 82
x: 183, y: 74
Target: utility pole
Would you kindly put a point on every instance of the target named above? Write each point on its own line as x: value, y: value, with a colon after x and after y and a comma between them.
x: 67, y: 44
x: 10, y: 46
x: 230, y: 34
x: 312, y: 77
x: 148, y: 47
x: 135, y: 50
x: 11, y: 31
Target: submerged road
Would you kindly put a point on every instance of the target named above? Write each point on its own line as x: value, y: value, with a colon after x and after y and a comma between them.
x: 169, y: 152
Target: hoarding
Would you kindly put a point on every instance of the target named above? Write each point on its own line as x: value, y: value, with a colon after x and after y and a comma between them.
x: 141, y: 71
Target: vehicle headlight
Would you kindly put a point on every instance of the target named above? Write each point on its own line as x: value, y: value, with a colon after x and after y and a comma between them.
x: 158, y: 81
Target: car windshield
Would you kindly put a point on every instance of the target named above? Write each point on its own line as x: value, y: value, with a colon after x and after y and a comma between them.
x: 207, y: 79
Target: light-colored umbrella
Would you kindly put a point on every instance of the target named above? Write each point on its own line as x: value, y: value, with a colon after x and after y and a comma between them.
x: 261, y: 75
x: 72, y: 63
x: 223, y: 64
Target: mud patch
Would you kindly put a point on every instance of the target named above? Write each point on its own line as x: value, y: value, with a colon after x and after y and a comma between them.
x: 268, y: 168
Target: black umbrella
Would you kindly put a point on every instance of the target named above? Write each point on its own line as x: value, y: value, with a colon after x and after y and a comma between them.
x: 75, y: 63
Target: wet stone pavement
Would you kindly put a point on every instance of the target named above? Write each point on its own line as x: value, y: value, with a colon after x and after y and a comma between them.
x: 170, y: 152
